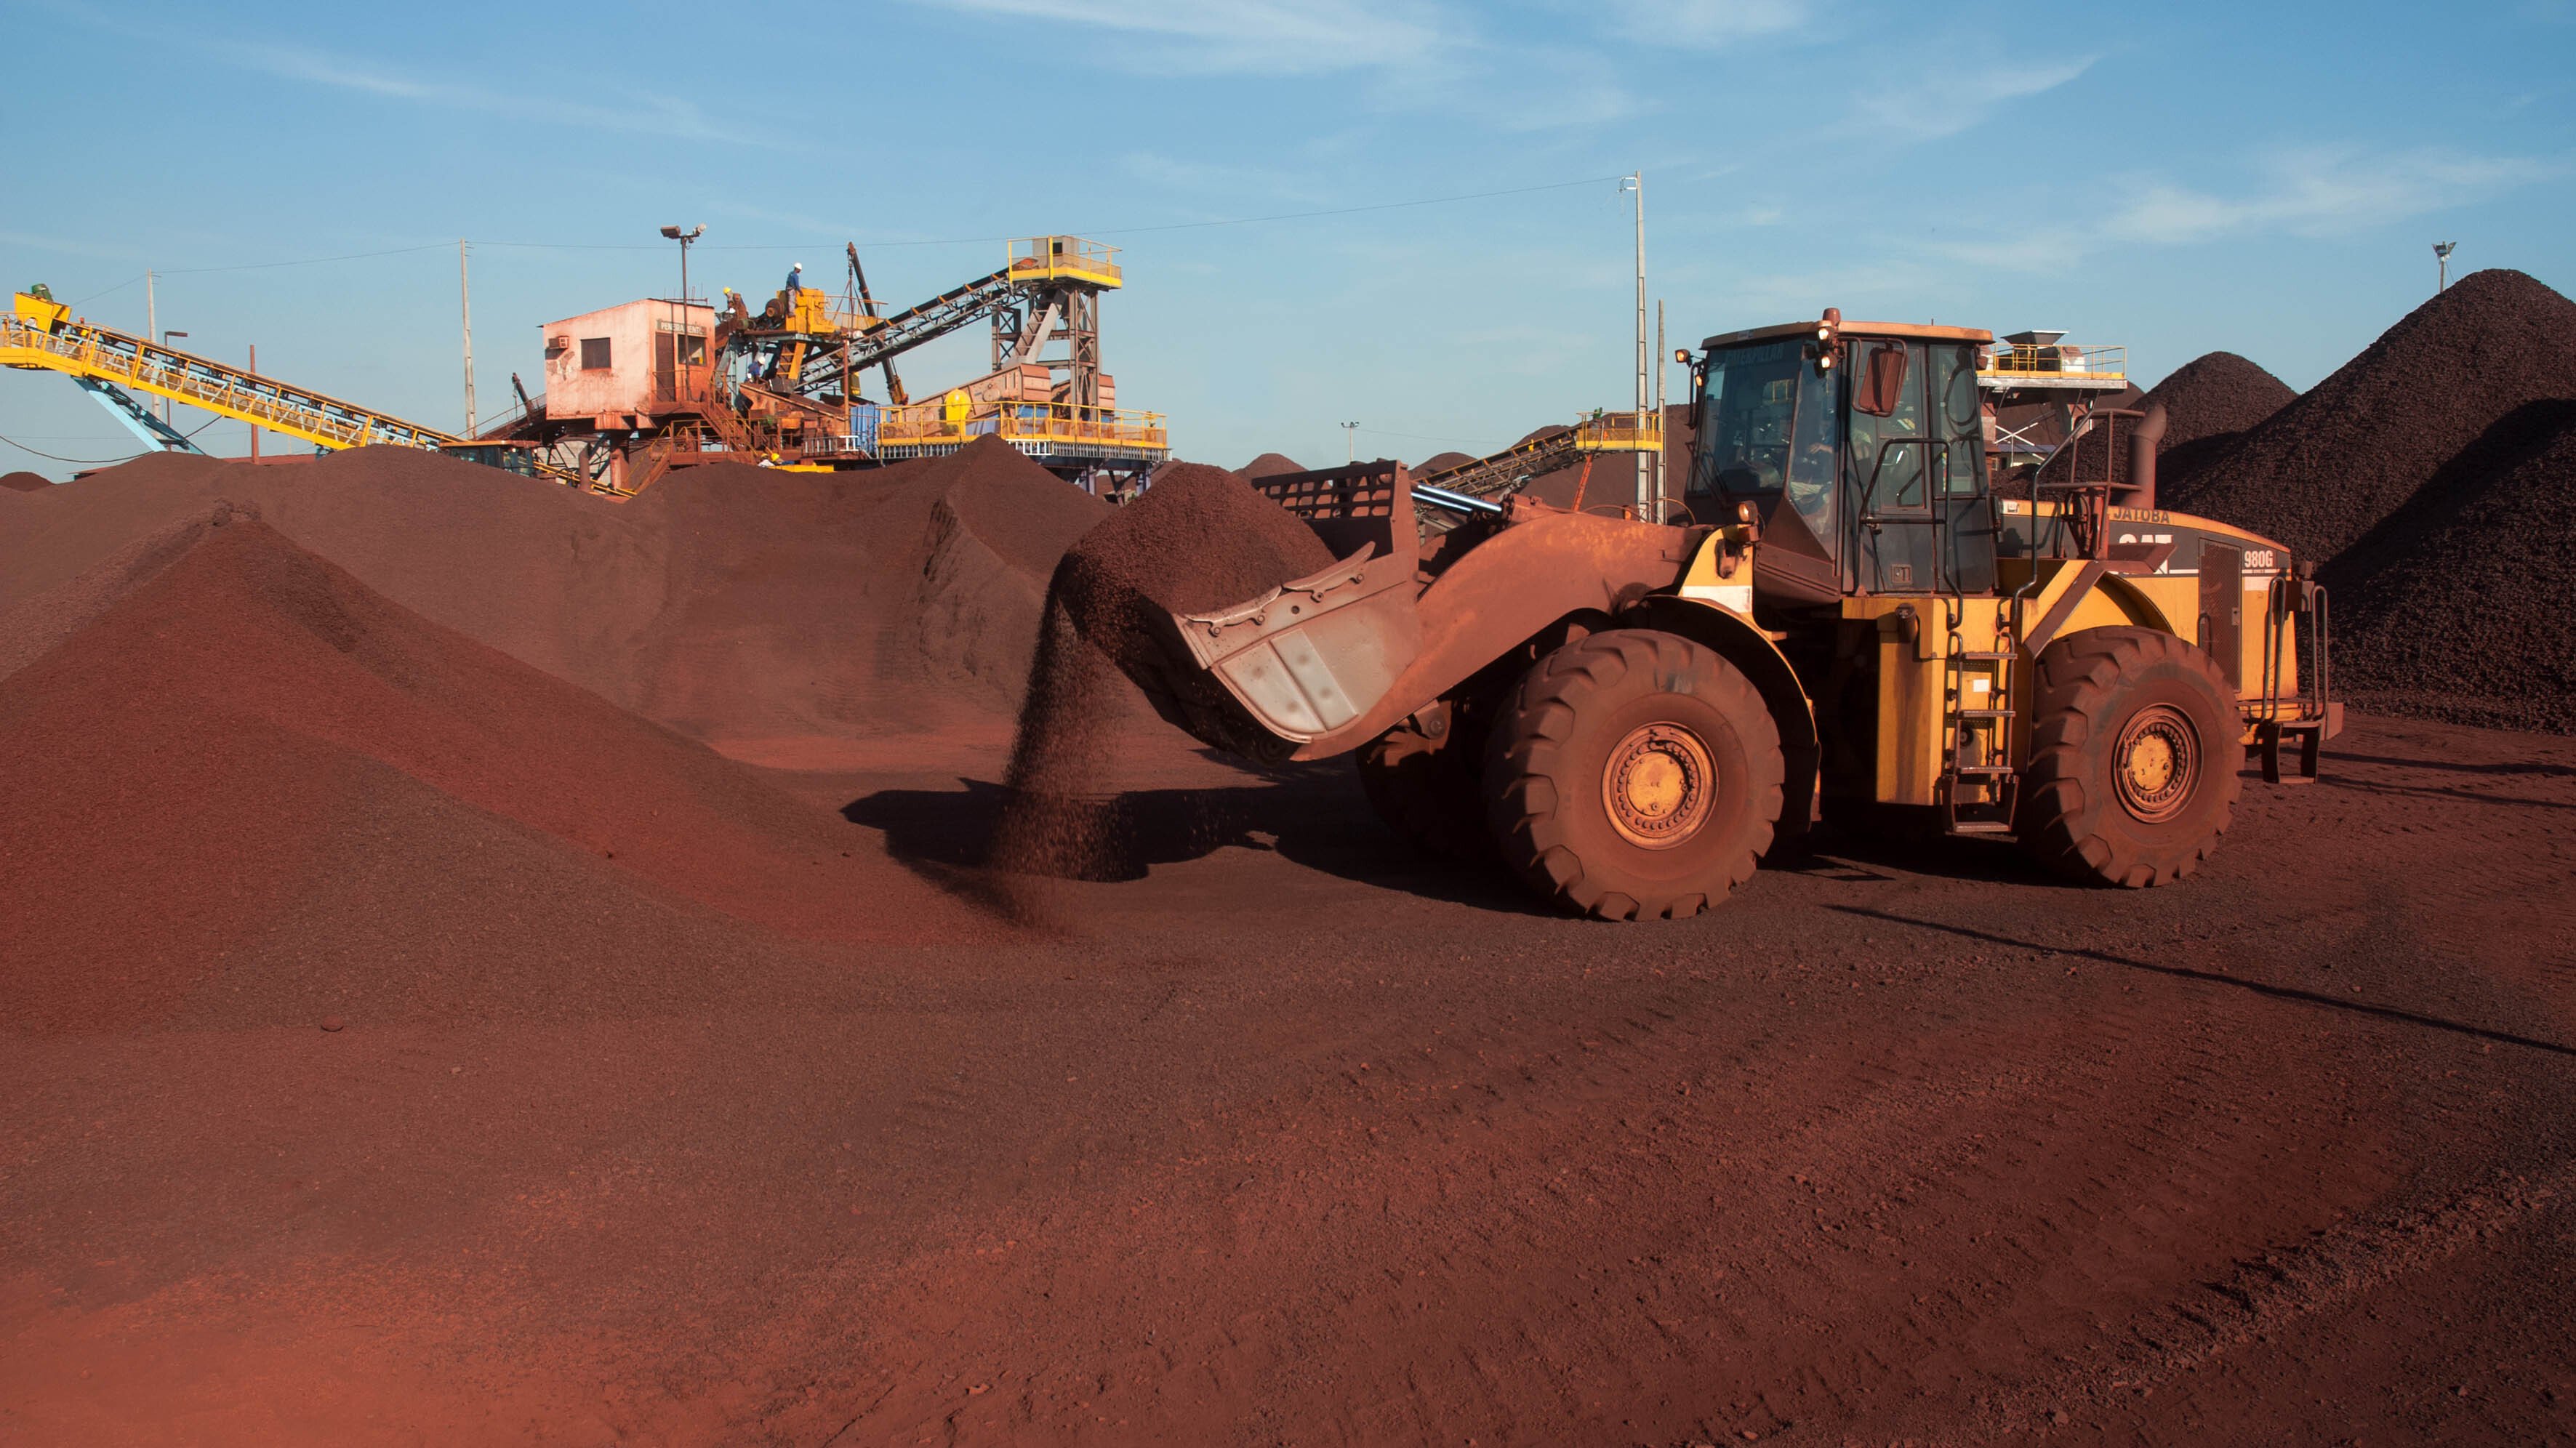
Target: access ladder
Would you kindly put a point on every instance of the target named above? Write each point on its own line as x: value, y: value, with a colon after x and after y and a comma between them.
x: 1977, y: 727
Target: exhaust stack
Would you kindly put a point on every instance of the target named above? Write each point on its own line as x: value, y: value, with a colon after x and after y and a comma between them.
x: 2141, y: 491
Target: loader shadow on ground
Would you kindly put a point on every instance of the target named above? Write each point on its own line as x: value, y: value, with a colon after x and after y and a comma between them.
x: 2551, y: 771
x: 1319, y: 820
x: 2211, y: 977
x: 1841, y: 853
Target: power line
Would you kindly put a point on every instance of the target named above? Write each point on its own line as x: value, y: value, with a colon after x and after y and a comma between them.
x: 120, y: 286
x: 1428, y: 437
x: 1351, y: 210
x: 1092, y: 230
x: 57, y: 457
x: 882, y: 245
x: 308, y: 261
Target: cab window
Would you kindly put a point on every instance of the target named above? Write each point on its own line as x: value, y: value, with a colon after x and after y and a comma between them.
x: 1888, y: 457
x: 1767, y: 424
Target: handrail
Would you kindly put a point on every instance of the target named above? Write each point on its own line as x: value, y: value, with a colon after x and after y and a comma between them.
x: 1051, y: 257
x: 1621, y: 432
x: 927, y: 422
x: 78, y: 348
x: 2057, y: 359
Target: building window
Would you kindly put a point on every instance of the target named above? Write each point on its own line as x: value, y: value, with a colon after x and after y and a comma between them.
x: 594, y: 354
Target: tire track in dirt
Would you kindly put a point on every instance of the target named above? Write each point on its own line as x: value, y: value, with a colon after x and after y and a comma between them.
x: 1444, y: 1107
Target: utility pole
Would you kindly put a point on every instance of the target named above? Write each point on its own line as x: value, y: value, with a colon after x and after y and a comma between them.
x: 1351, y: 430
x: 1648, y: 506
x: 465, y: 302
x: 1661, y: 356
x: 2442, y: 265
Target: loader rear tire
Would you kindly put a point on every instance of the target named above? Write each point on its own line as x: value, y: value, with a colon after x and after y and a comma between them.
x: 1425, y: 790
x: 2135, y: 747
x: 1633, y: 775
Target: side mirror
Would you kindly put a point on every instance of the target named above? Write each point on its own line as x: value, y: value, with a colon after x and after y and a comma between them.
x: 1882, y: 382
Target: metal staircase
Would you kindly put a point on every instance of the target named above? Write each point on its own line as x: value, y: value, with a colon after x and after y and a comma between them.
x: 1977, y: 723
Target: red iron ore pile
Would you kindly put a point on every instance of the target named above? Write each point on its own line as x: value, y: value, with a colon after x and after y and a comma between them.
x: 2420, y: 478
x: 2328, y: 467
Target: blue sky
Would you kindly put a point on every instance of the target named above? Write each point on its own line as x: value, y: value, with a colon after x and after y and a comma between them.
x: 2260, y: 178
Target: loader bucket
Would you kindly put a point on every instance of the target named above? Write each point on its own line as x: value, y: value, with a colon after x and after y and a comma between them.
x: 1325, y: 663
x: 1312, y: 655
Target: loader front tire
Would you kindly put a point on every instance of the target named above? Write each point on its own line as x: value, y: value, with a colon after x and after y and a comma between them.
x: 2135, y: 747
x: 1633, y: 775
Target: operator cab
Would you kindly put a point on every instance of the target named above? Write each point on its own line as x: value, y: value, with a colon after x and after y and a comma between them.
x: 1861, y: 445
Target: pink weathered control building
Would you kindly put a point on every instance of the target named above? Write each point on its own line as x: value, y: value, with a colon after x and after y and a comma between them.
x: 625, y: 367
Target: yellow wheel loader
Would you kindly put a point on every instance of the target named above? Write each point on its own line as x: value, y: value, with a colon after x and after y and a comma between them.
x: 1842, y: 618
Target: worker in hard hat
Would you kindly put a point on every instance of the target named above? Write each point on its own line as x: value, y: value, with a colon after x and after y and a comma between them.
x: 795, y: 280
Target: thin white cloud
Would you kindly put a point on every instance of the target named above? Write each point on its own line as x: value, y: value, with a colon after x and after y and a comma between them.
x: 664, y: 116
x: 2307, y: 193
x: 1525, y: 93
x: 2320, y: 192
x: 1967, y: 96
x: 649, y: 115
x: 1173, y: 173
x: 1275, y: 37
x: 66, y: 246
x: 1710, y: 24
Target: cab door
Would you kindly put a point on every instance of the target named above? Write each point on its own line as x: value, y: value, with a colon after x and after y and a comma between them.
x: 1924, y: 518
x: 1890, y: 461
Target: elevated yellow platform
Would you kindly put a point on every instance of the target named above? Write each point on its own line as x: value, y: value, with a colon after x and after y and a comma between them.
x: 1065, y: 258
x: 1621, y: 432
x: 2067, y: 366
x: 1040, y: 429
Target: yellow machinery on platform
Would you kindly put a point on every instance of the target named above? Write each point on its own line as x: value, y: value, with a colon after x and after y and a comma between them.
x: 789, y: 371
x: 1040, y: 429
x: 39, y: 334
x: 2038, y: 390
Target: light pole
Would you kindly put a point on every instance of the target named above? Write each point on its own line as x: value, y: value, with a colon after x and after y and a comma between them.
x: 2442, y: 264
x: 1648, y: 506
x: 684, y: 238
x: 165, y: 402
x: 1351, y: 430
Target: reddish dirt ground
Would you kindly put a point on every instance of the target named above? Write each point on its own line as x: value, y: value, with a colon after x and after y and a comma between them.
x: 1296, y: 1140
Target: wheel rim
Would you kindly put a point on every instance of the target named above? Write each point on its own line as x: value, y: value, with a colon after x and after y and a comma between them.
x: 2156, y: 765
x: 1659, y: 787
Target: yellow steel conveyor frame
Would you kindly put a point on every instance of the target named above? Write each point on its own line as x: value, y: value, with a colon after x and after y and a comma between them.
x: 36, y: 334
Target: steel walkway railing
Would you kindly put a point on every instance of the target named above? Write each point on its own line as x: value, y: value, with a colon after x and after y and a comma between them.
x: 38, y: 334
